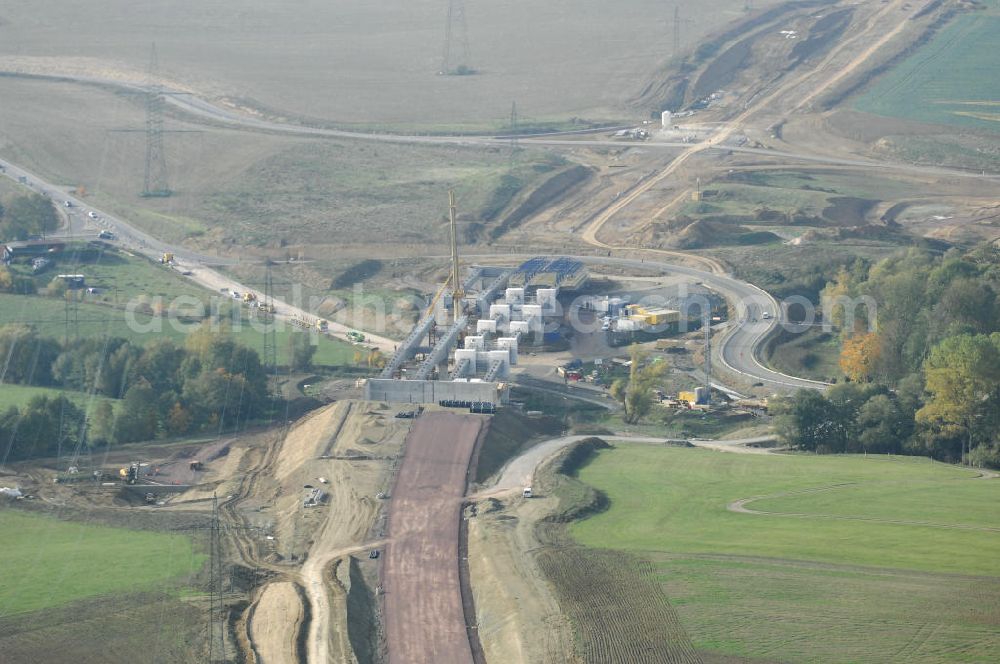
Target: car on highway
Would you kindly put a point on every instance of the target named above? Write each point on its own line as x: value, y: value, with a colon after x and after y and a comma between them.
x: 92, y: 214
x: 766, y: 315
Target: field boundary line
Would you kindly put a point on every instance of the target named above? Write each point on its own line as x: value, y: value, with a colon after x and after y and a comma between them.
x: 740, y: 507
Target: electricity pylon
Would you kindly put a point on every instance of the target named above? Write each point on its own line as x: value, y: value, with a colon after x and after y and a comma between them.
x: 154, y: 182
x: 456, y: 20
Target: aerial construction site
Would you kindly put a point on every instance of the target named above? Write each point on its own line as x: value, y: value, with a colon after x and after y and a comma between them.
x: 523, y: 332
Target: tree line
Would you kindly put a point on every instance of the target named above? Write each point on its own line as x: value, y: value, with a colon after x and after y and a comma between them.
x: 923, y: 366
x: 27, y: 216
x: 210, y: 383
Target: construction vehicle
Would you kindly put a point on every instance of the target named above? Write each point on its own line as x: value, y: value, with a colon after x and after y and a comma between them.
x: 167, y: 258
x: 355, y: 337
x: 265, y: 308
x: 129, y: 475
x: 322, y: 325
x: 249, y: 298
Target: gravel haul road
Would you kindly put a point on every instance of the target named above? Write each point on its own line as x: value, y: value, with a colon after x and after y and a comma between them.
x: 423, y: 599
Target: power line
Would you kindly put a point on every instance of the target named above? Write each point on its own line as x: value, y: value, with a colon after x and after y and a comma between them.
x: 270, y: 350
x: 216, y: 630
x: 677, y: 28
x: 515, y: 144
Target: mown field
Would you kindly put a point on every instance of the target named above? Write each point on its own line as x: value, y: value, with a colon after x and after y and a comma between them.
x: 49, y: 563
x: 94, y: 320
x: 873, y: 559
x: 950, y: 79
x: 119, y: 276
x: 20, y: 395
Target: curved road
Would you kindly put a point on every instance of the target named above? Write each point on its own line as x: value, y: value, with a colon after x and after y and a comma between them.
x: 202, y: 109
x: 194, y: 265
x: 738, y: 350
x: 739, y: 347
x: 520, y: 471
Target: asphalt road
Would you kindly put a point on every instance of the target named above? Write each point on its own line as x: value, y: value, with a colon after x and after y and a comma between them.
x: 739, y: 347
x: 737, y: 350
x: 520, y: 471
x: 202, y: 109
x: 195, y: 266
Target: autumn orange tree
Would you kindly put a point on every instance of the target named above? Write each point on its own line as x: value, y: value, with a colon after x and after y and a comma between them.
x: 859, y: 356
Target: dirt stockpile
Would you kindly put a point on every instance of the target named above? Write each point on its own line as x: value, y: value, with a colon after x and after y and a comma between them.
x: 277, y: 622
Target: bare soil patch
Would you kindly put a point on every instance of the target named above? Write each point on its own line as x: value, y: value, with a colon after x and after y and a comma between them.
x: 424, y: 614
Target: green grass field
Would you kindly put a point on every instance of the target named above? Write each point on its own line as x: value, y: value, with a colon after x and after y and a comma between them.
x: 49, y: 316
x: 20, y: 395
x: 123, y: 276
x: 950, y: 79
x: 813, y: 354
x: 47, y: 562
x: 848, y: 576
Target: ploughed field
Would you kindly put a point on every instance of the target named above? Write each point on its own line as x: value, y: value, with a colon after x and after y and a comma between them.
x: 374, y: 63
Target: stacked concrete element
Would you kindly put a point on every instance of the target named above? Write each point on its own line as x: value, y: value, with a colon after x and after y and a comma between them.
x: 434, y: 391
x: 493, y: 316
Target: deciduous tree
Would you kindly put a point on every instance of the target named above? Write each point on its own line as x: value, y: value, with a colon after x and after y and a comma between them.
x: 963, y: 377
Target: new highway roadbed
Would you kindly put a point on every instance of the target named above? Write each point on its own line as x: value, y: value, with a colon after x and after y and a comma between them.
x: 424, y: 619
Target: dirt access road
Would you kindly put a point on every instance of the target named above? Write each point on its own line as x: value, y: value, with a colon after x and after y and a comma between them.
x: 424, y: 619
x: 592, y: 231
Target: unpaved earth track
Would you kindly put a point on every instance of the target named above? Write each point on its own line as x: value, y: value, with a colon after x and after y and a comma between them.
x: 424, y: 617
x: 274, y: 623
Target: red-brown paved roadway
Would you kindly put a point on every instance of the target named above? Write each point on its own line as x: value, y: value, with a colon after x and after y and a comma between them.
x: 423, y: 601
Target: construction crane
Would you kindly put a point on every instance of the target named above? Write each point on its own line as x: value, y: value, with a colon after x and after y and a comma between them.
x: 456, y: 282
x: 444, y: 287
